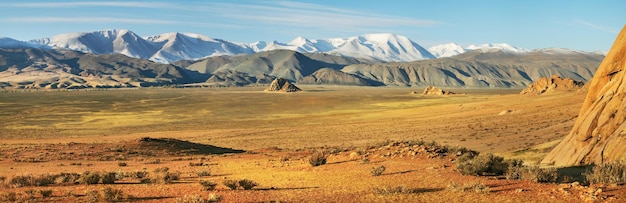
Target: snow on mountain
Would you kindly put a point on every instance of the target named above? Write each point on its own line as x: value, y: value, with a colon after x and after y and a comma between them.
x: 6, y: 42
x: 102, y: 42
x: 446, y: 50
x: 177, y: 46
x: 382, y: 47
x: 452, y: 49
x: 502, y: 47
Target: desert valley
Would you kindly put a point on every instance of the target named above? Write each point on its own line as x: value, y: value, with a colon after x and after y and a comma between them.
x: 335, y: 120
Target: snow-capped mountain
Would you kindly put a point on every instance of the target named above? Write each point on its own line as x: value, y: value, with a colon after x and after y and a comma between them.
x: 446, y: 50
x: 6, y: 42
x: 102, y: 42
x: 501, y: 46
x: 171, y: 47
x: 381, y: 47
x: 176, y: 46
x: 452, y: 49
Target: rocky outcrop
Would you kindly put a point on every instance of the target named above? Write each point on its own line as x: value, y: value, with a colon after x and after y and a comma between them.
x: 329, y: 76
x: 552, y: 84
x: 430, y: 90
x: 282, y: 85
x: 599, y: 134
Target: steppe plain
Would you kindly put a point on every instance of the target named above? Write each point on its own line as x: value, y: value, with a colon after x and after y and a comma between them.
x: 76, y: 131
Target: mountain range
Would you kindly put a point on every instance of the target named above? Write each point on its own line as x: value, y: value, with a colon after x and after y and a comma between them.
x: 170, y: 47
x: 120, y: 58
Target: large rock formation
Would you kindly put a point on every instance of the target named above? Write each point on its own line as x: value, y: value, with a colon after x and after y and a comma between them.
x: 282, y: 85
x: 430, y: 90
x: 599, y: 134
x: 553, y: 84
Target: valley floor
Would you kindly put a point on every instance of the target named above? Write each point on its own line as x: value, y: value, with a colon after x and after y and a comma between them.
x: 78, y: 131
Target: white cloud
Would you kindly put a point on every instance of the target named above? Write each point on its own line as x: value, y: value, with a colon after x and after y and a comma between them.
x: 595, y: 26
x: 84, y: 20
x: 86, y: 4
x: 298, y: 14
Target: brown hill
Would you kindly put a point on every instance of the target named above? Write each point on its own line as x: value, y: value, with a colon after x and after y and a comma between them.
x: 598, y: 134
x: 552, y: 84
x: 430, y: 90
x: 333, y: 77
x: 282, y: 85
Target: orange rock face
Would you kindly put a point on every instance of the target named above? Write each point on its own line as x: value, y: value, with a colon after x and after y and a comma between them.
x: 553, y: 84
x: 599, y: 134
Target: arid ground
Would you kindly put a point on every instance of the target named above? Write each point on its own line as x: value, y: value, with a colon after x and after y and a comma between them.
x: 235, y: 133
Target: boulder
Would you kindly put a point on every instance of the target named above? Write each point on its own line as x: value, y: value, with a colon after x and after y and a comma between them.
x: 430, y: 90
x: 551, y: 84
x: 599, y: 133
x: 282, y: 85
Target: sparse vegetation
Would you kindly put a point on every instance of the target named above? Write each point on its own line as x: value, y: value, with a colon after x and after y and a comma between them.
x: 204, y: 172
x: 480, y: 165
x: 532, y: 173
x: 232, y: 184
x: 247, y: 184
x: 32, y: 180
x: 112, y: 195
x: 476, y: 187
x: 90, y: 178
x: 198, y: 199
x: 45, y: 193
x: 208, y: 185
x: 388, y: 190
x: 612, y: 172
x: 317, y: 159
x: 122, y: 164
x: 377, y: 171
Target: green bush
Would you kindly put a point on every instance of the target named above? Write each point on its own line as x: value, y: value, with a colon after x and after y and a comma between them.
x: 613, y: 172
x: 317, y: 159
x: 480, y: 165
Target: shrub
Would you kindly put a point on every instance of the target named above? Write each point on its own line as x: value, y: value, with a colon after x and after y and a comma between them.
x: 109, y: 194
x: 387, y: 190
x: 139, y: 174
x: 153, y: 161
x: 30, y: 193
x: 377, y: 171
x: 476, y: 187
x: 204, y: 172
x: 69, y: 177
x: 90, y: 178
x: 109, y: 178
x: 317, y: 159
x: 532, y: 173
x: 45, y: 193
x: 9, y: 197
x: 164, y: 177
x: 122, y: 164
x: 232, y: 184
x: 208, y: 185
x: 196, y: 164
x: 198, y: 199
x: 488, y: 164
x: 247, y: 184
x: 613, y: 172
x: 31, y: 180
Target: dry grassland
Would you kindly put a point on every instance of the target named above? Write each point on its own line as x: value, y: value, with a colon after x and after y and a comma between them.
x: 78, y: 131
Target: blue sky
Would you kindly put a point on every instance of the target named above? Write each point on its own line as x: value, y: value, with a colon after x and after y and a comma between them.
x: 574, y: 24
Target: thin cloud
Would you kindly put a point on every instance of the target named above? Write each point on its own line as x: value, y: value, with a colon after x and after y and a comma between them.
x: 86, y: 4
x: 298, y: 14
x: 595, y: 27
x: 85, y: 20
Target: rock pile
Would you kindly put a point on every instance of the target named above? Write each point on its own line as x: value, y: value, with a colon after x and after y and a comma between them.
x: 430, y: 90
x: 282, y: 85
x: 553, y: 84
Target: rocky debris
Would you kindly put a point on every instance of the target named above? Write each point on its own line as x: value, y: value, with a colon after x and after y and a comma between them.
x: 552, y: 84
x: 430, y: 90
x: 282, y: 85
x: 598, y: 133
